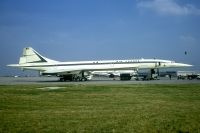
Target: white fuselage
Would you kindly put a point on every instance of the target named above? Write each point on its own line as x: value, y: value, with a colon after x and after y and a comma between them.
x: 66, y: 67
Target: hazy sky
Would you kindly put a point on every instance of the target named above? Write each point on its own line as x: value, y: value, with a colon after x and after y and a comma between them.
x: 68, y: 30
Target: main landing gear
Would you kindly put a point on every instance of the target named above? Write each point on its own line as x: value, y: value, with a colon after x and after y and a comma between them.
x: 73, y: 77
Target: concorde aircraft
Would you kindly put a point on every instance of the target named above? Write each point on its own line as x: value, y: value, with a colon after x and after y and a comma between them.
x: 80, y: 70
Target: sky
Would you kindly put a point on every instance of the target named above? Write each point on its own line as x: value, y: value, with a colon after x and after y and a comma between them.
x: 74, y: 30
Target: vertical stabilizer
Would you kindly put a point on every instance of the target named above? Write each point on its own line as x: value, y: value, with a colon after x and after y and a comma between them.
x: 31, y: 56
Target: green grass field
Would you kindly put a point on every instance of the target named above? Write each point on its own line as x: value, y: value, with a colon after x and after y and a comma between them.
x: 100, y: 108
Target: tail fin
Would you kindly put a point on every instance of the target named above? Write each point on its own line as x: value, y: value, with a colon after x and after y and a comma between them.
x: 31, y: 56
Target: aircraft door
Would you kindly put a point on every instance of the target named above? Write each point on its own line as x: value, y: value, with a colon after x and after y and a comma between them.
x: 158, y: 64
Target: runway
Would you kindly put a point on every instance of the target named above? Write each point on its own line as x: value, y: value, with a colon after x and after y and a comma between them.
x: 94, y: 81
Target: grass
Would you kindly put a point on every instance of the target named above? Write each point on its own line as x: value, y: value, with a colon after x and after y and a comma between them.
x: 100, y: 108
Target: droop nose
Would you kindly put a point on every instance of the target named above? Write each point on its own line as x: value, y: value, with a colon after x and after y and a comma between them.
x: 181, y: 65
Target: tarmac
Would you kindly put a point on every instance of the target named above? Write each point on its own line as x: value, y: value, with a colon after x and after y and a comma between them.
x: 94, y: 81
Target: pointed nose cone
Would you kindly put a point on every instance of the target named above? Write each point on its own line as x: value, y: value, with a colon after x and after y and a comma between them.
x: 181, y: 65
